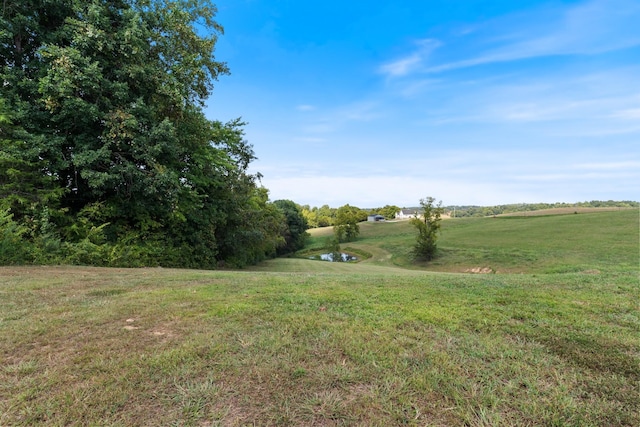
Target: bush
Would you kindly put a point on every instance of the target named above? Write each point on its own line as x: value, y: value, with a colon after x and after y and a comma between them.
x: 13, y: 247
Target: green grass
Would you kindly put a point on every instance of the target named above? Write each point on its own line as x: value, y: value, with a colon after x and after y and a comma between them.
x: 300, y: 342
x: 606, y: 240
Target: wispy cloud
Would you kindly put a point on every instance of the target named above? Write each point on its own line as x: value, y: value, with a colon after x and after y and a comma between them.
x: 373, y: 191
x: 310, y: 140
x: 340, y: 117
x: 593, y: 27
x: 305, y: 107
x: 615, y: 166
x: 596, y: 103
x: 403, y: 66
x: 627, y: 114
x: 482, y: 176
x: 411, y: 62
x: 567, y: 177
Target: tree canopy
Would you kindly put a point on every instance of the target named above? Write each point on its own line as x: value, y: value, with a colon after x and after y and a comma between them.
x: 346, y: 228
x: 295, y: 233
x: 103, y: 132
x: 388, y: 211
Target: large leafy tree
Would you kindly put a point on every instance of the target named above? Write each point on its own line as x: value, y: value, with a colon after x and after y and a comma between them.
x: 106, y: 98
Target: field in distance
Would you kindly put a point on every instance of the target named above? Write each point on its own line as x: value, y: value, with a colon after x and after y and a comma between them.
x: 591, y: 240
x: 376, y: 343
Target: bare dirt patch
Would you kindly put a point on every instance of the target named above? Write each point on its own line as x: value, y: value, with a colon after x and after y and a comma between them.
x: 480, y: 270
x: 160, y: 330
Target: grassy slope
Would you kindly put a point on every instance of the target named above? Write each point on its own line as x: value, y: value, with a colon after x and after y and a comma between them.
x: 311, y: 343
x: 553, y: 243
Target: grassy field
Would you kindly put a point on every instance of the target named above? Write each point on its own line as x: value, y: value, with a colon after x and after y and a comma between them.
x: 552, y: 339
x: 604, y: 240
x: 568, y: 210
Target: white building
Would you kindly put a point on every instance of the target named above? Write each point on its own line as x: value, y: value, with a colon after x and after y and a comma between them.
x: 406, y: 213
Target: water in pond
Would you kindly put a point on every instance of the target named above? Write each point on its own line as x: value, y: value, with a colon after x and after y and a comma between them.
x: 345, y: 257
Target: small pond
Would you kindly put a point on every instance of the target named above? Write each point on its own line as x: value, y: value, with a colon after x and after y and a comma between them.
x: 329, y: 257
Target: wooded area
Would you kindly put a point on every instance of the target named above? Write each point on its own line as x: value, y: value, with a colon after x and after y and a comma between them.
x: 107, y: 157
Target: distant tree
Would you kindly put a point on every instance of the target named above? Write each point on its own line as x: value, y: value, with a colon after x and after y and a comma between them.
x: 346, y: 226
x: 318, y: 217
x: 428, y: 228
x: 326, y: 216
x: 388, y: 211
x: 361, y: 214
x: 295, y: 234
x: 309, y: 216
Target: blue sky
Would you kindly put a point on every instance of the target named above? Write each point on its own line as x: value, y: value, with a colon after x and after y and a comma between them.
x: 471, y: 102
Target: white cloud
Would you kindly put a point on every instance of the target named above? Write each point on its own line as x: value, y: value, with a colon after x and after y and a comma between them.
x: 628, y: 166
x: 565, y: 177
x: 340, y: 117
x: 415, y: 88
x: 413, y: 61
x: 482, y: 176
x: 591, y: 104
x: 627, y: 114
x: 305, y: 107
x: 312, y: 140
x: 374, y: 191
x: 589, y: 28
x: 378, y: 190
x: 402, y: 66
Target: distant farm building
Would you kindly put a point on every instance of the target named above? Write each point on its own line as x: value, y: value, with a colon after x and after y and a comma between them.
x: 406, y: 213
x: 375, y: 218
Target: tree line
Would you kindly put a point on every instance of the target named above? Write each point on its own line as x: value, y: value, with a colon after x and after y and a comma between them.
x: 326, y: 216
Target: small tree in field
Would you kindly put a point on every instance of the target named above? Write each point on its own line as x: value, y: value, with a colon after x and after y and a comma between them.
x: 346, y: 228
x: 428, y: 227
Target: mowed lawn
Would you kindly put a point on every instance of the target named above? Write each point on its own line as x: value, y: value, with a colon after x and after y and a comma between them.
x: 300, y: 342
x: 595, y: 240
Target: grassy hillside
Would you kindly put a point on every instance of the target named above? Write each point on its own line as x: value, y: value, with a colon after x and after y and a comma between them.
x: 300, y: 342
x: 603, y: 240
